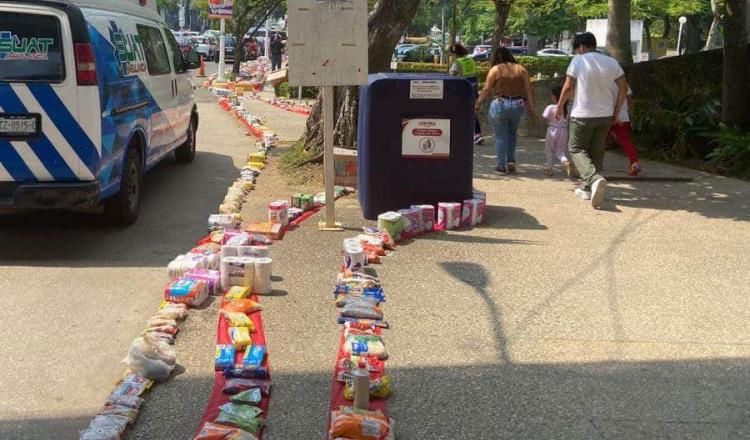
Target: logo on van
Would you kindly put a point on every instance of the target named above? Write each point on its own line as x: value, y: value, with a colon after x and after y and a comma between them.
x: 129, y: 51
x: 14, y: 48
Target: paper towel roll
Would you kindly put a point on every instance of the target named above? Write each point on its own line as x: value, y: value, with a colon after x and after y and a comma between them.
x: 253, y: 252
x: 237, y: 272
x: 354, y: 255
x: 262, y: 280
x: 229, y: 251
x: 391, y: 222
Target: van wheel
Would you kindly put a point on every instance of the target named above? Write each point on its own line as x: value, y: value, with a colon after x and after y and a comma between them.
x: 185, y: 153
x: 123, y: 208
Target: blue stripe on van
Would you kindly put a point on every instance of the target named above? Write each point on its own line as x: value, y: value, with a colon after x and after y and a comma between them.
x: 14, y: 164
x: 67, y: 124
x: 41, y: 146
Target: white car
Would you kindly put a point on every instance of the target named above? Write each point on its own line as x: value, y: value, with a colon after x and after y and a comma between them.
x: 553, y: 53
x: 206, y: 46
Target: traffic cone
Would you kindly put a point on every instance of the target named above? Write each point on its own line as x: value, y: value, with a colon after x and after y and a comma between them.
x: 202, y: 69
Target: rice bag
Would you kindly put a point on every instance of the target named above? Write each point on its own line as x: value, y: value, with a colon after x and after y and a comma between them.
x: 215, y: 431
x: 151, y: 358
x: 161, y: 322
x: 105, y: 427
x: 170, y: 310
x: 250, y: 397
x: 364, y: 301
x: 240, y: 337
x: 246, y: 306
x: 361, y: 310
x: 238, y: 319
x: 119, y: 410
x: 237, y: 385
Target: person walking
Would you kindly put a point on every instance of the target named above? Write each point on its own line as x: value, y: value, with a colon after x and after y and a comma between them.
x: 590, y: 80
x: 556, y: 139
x: 509, y: 86
x: 466, y: 67
x: 621, y: 133
x: 277, y: 49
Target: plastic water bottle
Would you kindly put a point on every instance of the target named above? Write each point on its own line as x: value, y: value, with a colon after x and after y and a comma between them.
x: 361, y: 387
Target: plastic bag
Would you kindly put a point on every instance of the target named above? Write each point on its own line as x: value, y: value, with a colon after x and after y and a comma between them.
x: 365, y: 346
x: 241, y: 410
x: 357, y: 424
x: 364, y: 301
x: 246, y: 306
x: 224, y: 357
x: 364, y: 322
x: 234, y: 386
x: 157, y: 321
x: 131, y: 385
x: 380, y: 388
x: 240, y: 337
x: 132, y: 401
x: 242, y: 372
x: 251, y: 425
x: 170, y: 310
x: 249, y: 397
x: 214, y: 431
x: 151, y: 358
x: 361, y: 310
x: 106, y: 427
x: 238, y: 319
x: 119, y: 410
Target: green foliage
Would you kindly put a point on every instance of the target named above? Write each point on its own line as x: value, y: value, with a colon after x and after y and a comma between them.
x: 732, y: 155
x: 547, y: 66
x: 284, y: 90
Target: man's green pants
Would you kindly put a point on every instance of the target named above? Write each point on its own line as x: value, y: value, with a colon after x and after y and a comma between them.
x: 586, y: 147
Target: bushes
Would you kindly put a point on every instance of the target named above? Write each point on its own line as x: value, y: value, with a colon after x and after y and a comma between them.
x: 284, y: 90
x: 547, y: 66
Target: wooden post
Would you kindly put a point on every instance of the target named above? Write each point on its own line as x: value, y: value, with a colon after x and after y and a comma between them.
x: 329, y: 99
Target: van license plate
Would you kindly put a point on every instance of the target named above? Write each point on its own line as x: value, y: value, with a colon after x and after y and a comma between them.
x: 19, y: 126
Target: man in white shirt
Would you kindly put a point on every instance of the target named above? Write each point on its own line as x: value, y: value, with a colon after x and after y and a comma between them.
x: 591, y: 76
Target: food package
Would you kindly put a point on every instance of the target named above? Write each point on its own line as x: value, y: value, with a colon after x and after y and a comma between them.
x: 471, y: 214
x: 212, y: 278
x: 237, y: 271
x: 254, y: 356
x: 393, y: 223
x: 449, y: 216
x: 361, y: 310
x: 131, y: 385
x: 246, y: 306
x: 187, y: 291
x: 270, y: 231
x: 235, y: 386
x: 342, y: 292
x: 242, y: 410
x: 215, y: 431
x: 356, y: 424
x: 258, y: 156
x: 237, y: 239
x: 235, y: 293
x: 427, y: 213
x: 105, y: 427
x: 253, y: 252
x: 278, y: 212
x: 356, y: 279
x: 412, y: 222
x: 119, y: 410
x: 237, y: 319
x: 262, y: 276
x: 379, y: 388
x: 183, y: 263
x: 363, y: 301
x: 151, y: 358
x: 354, y: 255
x: 224, y: 357
x: 224, y: 221
x: 251, y: 425
x: 295, y: 213
x: 240, y: 337
x: 361, y: 345
x: 364, y: 322
x: 239, y: 371
x: 171, y: 310
x: 248, y: 397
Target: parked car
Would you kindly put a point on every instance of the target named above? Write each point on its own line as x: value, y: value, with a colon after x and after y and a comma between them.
x: 553, y: 53
x: 481, y: 56
x: 185, y: 46
x: 400, y: 52
x: 230, y: 47
x: 92, y: 113
x: 423, y: 53
x: 519, y: 50
x: 206, y: 47
x: 482, y: 49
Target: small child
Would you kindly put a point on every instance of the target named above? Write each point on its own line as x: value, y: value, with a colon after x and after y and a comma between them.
x: 621, y: 133
x: 556, y: 142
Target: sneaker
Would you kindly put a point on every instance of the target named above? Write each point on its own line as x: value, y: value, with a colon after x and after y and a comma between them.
x: 478, y: 139
x: 549, y: 172
x: 598, y: 191
x: 583, y: 194
x: 501, y: 170
x: 635, y: 168
x: 568, y: 169
x: 511, y: 167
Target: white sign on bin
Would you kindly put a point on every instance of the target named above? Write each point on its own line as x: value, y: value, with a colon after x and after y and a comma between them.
x: 328, y: 43
x: 426, y: 138
x: 426, y: 89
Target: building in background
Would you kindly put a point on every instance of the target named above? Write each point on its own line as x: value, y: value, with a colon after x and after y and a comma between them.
x: 599, y: 27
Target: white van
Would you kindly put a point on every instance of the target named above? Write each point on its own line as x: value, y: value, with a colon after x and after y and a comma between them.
x: 93, y: 93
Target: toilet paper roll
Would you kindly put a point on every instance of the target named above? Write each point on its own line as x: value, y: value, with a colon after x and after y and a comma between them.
x: 449, y: 216
x: 393, y: 223
x: 354, y: 255
x: 262, y: 279
x: 253, y: 252
x: 237, y: 272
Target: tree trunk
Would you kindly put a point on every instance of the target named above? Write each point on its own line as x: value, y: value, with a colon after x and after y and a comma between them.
x: 502, y: 11
x: 618, y: 31
x: 667, y: 26
x: 386, y: 24
x: 736, y: 81
x: 692, y: 37
x: 647, y: 36
x: 713, y: 32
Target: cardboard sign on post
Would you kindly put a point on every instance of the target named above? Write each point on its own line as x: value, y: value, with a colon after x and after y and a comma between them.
x: 327, y: 47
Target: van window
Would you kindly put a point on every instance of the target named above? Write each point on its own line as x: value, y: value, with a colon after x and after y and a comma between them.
x: 177, y: 59
x: 30, y: 48
x: 156, y: 50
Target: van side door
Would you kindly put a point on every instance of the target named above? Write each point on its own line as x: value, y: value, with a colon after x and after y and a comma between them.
x: 182, y: 87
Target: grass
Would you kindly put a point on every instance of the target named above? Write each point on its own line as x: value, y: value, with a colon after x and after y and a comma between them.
x: 296, y: 171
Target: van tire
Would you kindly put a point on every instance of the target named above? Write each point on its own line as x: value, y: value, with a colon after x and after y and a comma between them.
x: 123, y: 209
x: 185, y: 153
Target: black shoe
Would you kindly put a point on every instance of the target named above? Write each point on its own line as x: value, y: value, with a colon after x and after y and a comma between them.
x: 500, y: 170
x: 511, y: 167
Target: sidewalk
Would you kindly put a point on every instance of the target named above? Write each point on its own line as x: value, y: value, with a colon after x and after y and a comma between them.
x: 551, y: 320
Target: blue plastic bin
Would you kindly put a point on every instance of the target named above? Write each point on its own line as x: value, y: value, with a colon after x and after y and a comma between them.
x: 402, y: 159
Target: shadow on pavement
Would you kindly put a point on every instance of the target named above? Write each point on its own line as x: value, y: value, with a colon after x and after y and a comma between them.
x: 701, y: 399
x: 177, y: 200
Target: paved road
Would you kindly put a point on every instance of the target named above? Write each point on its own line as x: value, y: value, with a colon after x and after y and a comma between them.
x: 75, y: 292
